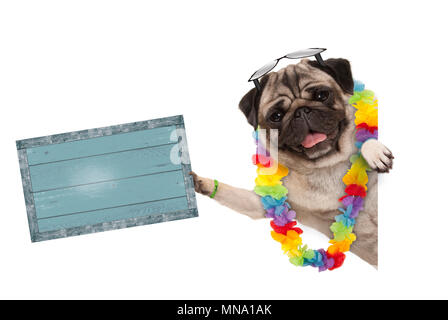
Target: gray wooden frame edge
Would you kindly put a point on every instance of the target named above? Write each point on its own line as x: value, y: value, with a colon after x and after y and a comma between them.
x: 99, y: 132
x: 188, y: 179
x: 22, y: 145
x: 29, y: 198
x: 114, y: 225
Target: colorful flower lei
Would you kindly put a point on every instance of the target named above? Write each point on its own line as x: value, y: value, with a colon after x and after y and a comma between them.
x: 273, y: 194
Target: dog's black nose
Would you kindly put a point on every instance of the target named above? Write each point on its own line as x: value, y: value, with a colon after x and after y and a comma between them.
x: 300, y: 111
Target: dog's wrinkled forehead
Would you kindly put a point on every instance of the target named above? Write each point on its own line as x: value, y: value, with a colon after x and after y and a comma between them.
x: 292, y: 80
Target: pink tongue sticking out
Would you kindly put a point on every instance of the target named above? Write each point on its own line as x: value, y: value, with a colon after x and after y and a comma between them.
x: 313, y: 138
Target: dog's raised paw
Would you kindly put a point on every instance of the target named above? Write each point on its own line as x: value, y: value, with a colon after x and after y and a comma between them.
x: 377, y: 155
x: 200, y: 184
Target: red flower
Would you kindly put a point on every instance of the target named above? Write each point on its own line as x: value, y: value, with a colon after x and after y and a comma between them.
x: 365, y: 126
x: 338, y: 258
x: 286, y: 227
x: 261, y: 159
x: 355, y: 190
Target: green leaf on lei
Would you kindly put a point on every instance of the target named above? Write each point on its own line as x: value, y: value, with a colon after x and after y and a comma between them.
x: 297, y: 261
x: 309, y: 254
x: 340, y: 231
x: 277, y: 192
x: 366, y: 96
x: 363, y: 163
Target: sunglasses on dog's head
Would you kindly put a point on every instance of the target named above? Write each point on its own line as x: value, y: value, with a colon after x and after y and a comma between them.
x: 293, y: 55
x: 271, y: 65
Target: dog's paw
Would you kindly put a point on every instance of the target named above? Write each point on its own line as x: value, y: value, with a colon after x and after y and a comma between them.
x: 377, y: 155
x: 201, y: 185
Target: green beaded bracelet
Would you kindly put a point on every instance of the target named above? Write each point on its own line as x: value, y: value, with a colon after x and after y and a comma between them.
x: 215, y: 189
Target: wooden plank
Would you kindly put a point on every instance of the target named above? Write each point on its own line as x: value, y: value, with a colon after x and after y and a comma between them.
x: 99, y: 145
x: 114, y: 214
x: 109, y: 194
x: 106, y: 178
x: 99, y: 168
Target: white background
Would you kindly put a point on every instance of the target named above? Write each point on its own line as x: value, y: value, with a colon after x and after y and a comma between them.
x: 72, y: 65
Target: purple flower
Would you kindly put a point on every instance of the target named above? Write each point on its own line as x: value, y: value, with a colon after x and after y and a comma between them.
x: 363, y: 135
x: 356, y: 202
x: 282, y: 219
x: 327, y: 263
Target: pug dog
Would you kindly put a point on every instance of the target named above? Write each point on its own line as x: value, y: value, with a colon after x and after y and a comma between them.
x: 308, y: 104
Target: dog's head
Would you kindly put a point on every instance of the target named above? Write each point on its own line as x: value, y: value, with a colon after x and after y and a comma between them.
x: 307, y: 104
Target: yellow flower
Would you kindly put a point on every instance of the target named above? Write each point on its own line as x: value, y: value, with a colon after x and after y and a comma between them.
x: 367, y: 114
x: 341, y: 246
x: 362, y: 105
x: 268, y: 180
x: 281, y: 171
x: 290, y: 242
x: 356, y: 175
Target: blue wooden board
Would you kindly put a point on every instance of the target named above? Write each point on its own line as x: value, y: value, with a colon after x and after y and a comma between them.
x: 106, y: 178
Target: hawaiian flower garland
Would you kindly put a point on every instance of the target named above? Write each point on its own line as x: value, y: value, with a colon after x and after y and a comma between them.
x: 273, y: 194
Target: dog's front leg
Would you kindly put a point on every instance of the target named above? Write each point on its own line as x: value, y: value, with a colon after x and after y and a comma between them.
x: 240, y: 200
x: 377, y: 155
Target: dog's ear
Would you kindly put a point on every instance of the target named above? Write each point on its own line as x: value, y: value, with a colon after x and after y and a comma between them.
x: 340, y: 70
x: 250, y: 102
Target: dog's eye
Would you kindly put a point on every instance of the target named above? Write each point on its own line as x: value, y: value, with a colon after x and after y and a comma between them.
x: 321, y: 95
x: 276, y: 116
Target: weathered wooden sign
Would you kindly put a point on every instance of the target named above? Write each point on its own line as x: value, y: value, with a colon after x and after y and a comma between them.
x: 107, y: 178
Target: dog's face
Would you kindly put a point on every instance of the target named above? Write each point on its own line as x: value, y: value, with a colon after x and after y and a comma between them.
x: 307, y: 104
